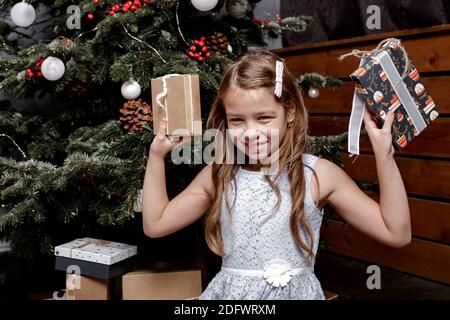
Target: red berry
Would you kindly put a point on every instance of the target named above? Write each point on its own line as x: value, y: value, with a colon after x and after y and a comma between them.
x: 95, y: 1
x: 195, y: 41
x: 134, y: 8
x: 137, y: 2
x: 208, y: 54
x: 201, y: 58
x: 39, y: 74
x: 205, y: 49
x: 197, y: 55
x: 193, y: 48
x: 125, y: 8
x: 111, y: 13
x: 201, y: 43
x: 190, y: 54
x: 202, y: 38
x: 90, y: 16
x: 267, y: 21
x: 117, y: 7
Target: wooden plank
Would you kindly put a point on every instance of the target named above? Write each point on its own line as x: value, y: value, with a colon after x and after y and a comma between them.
x: 377, y: 37
x: 422, y: 258
x: 434, y: 141
x: 340, y: 100
x: 330, y: 295
x: 420, y: 177
x: 428, y: 54
x: 429, y: 219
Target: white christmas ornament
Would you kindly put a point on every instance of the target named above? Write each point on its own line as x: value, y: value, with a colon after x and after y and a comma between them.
x: 313, y: 92
x: 23, y: 14
x: 130, y: 90
x: 204, y: 5
x: 52, y: 68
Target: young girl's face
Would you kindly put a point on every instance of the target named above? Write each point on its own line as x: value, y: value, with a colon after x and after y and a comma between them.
x: 256, y: 122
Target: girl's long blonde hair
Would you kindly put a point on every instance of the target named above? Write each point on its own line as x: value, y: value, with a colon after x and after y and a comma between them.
x: 256, y: 70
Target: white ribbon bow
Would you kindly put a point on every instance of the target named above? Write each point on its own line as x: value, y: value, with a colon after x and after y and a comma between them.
x: 277, y: 272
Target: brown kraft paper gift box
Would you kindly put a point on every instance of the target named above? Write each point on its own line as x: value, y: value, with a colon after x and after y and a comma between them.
x: 178, y: 101
x: 86, y: 288
x: 152, y: 284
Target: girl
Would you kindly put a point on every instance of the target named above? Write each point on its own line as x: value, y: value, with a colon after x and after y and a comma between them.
x: 265, y: 224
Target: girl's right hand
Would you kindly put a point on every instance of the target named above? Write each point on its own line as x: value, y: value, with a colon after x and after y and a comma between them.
x: 161, y: 144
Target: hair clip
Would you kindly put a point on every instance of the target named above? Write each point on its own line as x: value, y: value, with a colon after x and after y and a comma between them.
x: 278, y: 78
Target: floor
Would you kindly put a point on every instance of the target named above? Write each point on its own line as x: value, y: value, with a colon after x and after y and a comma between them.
x: 347, y: 277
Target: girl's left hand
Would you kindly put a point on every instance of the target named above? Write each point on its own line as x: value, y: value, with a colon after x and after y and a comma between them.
x: 381, y: 139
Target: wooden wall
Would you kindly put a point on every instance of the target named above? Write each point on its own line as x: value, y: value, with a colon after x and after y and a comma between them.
x: 424, y: 165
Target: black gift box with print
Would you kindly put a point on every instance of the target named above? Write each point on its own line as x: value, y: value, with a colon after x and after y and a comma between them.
x: 373, y: 85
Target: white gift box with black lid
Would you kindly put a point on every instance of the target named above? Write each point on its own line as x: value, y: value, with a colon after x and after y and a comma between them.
x: 97, y: 258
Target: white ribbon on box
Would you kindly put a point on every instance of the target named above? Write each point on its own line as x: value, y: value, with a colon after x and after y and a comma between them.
x: 187, y: 94
x: 382, y: 56
x: 95, y: 250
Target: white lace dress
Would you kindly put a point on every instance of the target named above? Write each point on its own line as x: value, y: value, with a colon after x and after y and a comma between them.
x: 262, y: 260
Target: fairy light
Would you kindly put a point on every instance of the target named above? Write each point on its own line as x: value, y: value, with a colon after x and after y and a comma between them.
x: 17, y: 146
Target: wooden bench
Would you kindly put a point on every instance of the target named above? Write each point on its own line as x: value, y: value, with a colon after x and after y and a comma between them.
x: 424, y: 165
x: 330, y: 295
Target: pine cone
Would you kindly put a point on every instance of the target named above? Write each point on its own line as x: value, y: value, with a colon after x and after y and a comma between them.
x: 77, y: 88
x: 62, y: 42
x: 75, y: 91
x: 134, y: 114
x: 219, y: 43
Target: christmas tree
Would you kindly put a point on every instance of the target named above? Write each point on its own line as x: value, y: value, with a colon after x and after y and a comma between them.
x: 75, y: 137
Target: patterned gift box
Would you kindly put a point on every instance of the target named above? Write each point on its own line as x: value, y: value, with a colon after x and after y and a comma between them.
x: 95, y: 258
x: 386, y: 80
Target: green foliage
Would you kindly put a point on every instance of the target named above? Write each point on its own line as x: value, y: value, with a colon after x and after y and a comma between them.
x: 316, y: 80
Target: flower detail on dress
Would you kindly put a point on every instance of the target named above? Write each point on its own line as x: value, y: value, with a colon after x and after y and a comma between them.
x: 277, y: 272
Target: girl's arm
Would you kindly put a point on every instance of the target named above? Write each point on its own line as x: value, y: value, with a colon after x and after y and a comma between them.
x: 387, y: 221
x: 161, y: 216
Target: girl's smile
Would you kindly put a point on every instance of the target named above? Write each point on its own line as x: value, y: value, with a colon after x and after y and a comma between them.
x: 256, y: 122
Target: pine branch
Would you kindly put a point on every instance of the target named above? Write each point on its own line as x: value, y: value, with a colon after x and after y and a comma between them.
x: 316, y: 80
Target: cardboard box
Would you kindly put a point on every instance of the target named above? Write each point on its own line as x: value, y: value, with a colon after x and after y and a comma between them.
x: 161, y: 285
x: 86, y: 288
x: 177, y: 98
